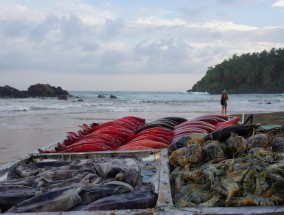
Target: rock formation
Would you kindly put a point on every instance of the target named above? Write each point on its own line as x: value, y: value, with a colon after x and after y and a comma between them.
x: 45, y: 90
x: 37, y: 90
x: 10, y: 92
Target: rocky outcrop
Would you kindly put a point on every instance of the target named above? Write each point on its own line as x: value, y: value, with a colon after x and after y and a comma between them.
x: 101, y: 96
x: 37, y: 90
x: 10, y: 92
x: 45, y: 90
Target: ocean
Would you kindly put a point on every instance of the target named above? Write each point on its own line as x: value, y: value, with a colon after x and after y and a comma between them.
x: 32, y: 123
x: 153, y: 102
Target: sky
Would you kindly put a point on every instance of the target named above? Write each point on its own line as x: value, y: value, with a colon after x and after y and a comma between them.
x: 121, y: 45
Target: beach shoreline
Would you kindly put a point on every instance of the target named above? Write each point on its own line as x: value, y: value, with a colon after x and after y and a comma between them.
x: 26, y: 134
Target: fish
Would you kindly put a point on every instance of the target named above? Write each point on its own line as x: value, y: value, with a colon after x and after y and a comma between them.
x: 31, y: 169
x: 134, y: 200
x: 104, y: 190
x: 10, y: 199
x: 54, y: 175
x: 129, y: 176
x: 49, y: 183
x: 30, y: 181
x: 14, y: 194
x: 113, y: 167
x: 59, y: 200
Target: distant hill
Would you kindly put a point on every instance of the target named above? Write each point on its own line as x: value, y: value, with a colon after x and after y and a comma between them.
x: 249, y: 73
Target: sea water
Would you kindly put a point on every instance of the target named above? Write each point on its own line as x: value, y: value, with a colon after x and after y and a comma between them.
x: 154, y: 102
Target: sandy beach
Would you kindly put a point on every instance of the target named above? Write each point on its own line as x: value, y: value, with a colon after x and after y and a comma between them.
x: 26, y: 134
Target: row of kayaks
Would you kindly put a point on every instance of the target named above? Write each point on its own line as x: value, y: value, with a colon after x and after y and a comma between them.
x: 134, y: 133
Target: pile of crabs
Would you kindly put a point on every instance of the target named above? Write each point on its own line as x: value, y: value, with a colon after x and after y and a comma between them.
x: 215, y: 161
x: 239, y: 165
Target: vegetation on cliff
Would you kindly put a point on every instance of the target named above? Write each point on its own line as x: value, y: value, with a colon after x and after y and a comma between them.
x: 249, y: 73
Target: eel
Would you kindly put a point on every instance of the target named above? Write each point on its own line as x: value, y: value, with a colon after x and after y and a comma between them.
x: 59, y: 200
x: 135, y: 200
x: 107, y: 189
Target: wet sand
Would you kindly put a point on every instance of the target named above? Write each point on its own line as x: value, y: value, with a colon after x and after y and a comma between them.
x: 22, y: 135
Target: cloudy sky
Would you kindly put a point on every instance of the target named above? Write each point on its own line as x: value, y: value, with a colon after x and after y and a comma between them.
x: 163, y: 45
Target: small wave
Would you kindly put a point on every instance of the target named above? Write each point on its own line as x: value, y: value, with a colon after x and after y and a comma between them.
x: 23, y: 110
x: 43, y: 108
x: 199, y: 93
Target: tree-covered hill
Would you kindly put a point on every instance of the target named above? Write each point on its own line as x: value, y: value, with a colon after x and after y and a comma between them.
x: 249, y: 73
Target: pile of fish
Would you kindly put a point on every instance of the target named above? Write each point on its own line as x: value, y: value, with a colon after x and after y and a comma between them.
x: 133, y: 133
x: 237, y: 165
x: 78, y: 185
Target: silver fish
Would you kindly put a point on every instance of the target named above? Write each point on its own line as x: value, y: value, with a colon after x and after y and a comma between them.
x: 59, y: 200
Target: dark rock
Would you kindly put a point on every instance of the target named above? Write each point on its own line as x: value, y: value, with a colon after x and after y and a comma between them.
x: 38, y: 90
x: 101, y: 96
x: 45, y: 90
x: 62, y: 97
x: 80, y: 100
x: 112, y: 97
x: 10, y: 92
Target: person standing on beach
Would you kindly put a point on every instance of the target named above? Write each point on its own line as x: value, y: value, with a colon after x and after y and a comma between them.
x: 224, y: 99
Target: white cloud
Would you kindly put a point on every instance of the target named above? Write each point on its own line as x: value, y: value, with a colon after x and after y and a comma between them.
x: 278, y: 3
